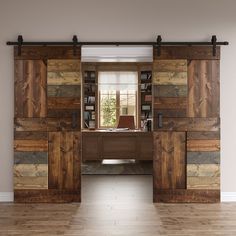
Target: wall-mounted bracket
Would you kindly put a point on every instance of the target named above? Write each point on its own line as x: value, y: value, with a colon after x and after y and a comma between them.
x: 213, y: 41
x: 20, y: 42
x: 75, y: 42
x: 159, y: 39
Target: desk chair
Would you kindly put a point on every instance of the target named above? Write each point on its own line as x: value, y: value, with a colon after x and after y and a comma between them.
x: 126, y: 122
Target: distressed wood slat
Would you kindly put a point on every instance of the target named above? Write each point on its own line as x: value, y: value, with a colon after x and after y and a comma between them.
x: 169, y: 78
x: 46, y: 196
x: 63, y: 90
x: 203, y: 182
x: 54, y: 157
x: 203, y: 145
x: 203, y: 157
x: 31, y: 145
x: 204, y: 89
x: 29, y: 182
x: 170, y: 65
x: 170, y: 113
x: 64, y: 113
x: 35, y: 170
x: 64, y: 78
x: 77, y: 161
x: 60, y: 124
x: 30, y: 135
x: 170, y: 90
x: 186, y: 196
x: 186, y: 52
x: 170, y: 103
x: 63, y: 103
x: 169, y: 160
x: 30, y: 88
x: 30, y: 158
x: 209, y: 170
x: 63, y: 65
x: 188, y: 124
x: 30, y: 124
x: 64, y: 160
x: 49, y: 52
x: 203, y: 135
x: 66, y: 147
x: 47, y: 124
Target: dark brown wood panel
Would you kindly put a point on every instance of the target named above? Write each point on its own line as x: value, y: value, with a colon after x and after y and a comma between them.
x: 30, y: 135
x: 45, y: 124
x: 116, y: 145
x: 30, y: 88
x: 186, y: 52
x: 45, y: 53
x: 46, y: 196
x: 169, y: 160
x: 186, y: 196
x: 63, y: 113
x: 170, y: 113
x: 54, y: 165
x: 77, y: 161
x: 204, y: 88
x: 64, y: 155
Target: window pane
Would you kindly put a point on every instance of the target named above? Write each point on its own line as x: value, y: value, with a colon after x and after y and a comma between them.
x: 108, y: 109
x: 117, y: 91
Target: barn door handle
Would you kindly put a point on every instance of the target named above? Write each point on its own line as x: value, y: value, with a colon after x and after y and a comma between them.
x: 74, y: 120
x: 159, y: 117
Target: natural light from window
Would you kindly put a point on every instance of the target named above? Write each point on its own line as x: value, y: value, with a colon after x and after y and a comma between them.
x: 117, y: 96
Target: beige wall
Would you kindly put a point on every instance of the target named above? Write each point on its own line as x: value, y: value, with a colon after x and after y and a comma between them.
x: 101, y: 20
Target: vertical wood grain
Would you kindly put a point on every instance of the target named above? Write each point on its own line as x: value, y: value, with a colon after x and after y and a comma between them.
x: 204, y: 90
x: 169, y: 160
x: 64, y: 160
x: 54, y: 156
x: 30, y: 88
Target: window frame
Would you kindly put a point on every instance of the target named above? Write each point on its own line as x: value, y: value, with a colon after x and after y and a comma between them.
x: 118, y: 101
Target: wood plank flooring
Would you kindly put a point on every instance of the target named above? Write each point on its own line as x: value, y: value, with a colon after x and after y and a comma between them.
x: 117, y: 206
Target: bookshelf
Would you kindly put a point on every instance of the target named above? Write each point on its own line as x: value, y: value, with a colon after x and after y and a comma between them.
x: 146, y: 96
x: 89, y: 99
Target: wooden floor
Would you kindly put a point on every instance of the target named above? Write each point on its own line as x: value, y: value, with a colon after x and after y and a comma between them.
x: 117, y: 205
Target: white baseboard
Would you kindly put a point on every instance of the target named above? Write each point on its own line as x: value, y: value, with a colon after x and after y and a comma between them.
x: 6, y: 196
x: 228, y: 196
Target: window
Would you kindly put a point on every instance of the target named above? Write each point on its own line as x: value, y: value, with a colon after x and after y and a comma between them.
x: 117, y: 96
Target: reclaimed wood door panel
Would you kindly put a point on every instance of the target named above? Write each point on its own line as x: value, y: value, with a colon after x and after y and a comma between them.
x: 169, y: 160
x: 64, y: 160
x: 47, y: 121
x: 30, y: 88
x: 187, y: 99
x: 204, y: 89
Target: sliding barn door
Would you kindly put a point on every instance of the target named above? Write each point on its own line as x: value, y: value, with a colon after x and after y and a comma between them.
x: 47, y: 138
x: 186, y: 125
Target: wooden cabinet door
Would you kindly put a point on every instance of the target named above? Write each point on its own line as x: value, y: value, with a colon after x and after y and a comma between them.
x: 47, y: 124
x: 186, y: 125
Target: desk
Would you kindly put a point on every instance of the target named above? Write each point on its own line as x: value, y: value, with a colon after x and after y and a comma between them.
x: 103, y: 144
